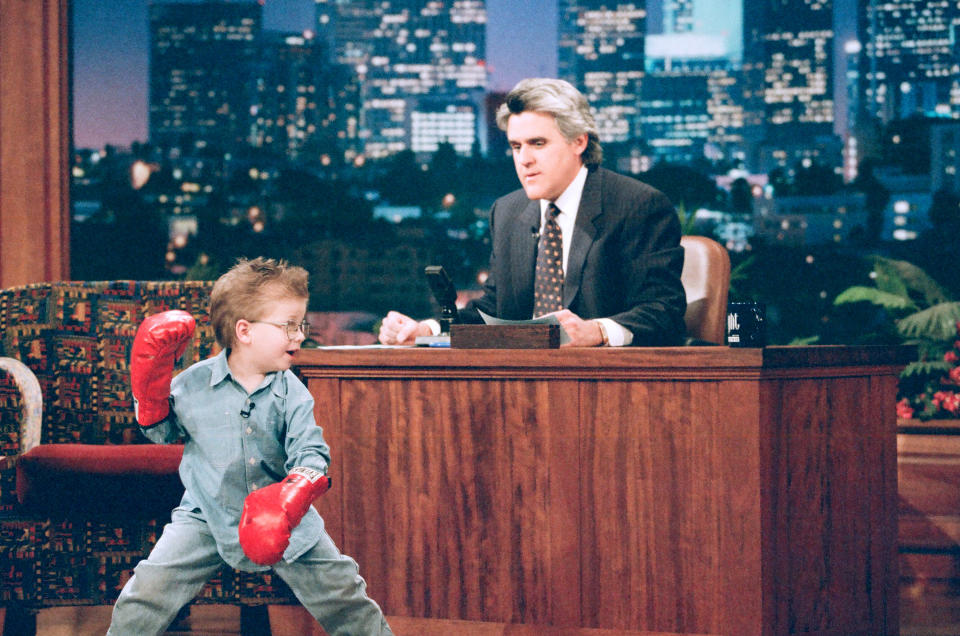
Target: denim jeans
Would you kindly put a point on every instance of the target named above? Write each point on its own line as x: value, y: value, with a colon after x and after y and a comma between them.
x: 185, y: 557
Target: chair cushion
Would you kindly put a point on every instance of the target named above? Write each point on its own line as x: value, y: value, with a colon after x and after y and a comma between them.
x: 128, y: 480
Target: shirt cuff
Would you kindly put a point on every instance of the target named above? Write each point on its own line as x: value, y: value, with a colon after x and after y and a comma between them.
x: 434, y: 326
x: 617, y: 334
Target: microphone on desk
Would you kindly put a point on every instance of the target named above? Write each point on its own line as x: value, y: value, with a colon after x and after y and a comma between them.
x: 445, y: 294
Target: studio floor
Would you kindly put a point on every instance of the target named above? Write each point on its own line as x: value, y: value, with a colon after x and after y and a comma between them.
x: 925, y: 610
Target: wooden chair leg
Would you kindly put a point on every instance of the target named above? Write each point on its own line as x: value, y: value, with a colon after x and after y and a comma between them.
x: 255, y: 620
x: 19, y: 622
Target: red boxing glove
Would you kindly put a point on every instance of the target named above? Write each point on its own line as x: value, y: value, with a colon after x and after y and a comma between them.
x: 271, y: 513
x: 160, y: 340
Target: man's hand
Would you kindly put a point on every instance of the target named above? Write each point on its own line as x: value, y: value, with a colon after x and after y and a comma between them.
x: 397, y: 329
x: 583, y: 333
x: 270, y: 514
x: 160, y: 340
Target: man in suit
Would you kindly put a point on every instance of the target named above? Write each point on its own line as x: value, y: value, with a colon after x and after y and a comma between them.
x: 616, y: 240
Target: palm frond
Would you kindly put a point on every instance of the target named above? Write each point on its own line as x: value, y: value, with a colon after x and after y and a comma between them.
x: 739, y: 274
x: 687, y: 219
x: 893, y: 275
x: 934, y: 323
x: 887, y: 278
x: 885, y: 299
x: 926, y: 367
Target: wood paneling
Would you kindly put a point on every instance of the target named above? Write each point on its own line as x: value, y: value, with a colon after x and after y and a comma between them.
x: 34, y: 142
x: 929, y: 502
x: 690, y: 490
x: 929, y: 526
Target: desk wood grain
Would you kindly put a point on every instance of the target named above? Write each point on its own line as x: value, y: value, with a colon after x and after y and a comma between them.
x: 690, y: 490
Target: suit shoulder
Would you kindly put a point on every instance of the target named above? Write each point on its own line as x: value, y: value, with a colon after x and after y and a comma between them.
x: 629, y: 185
x: 620, y: 191
x: 516, y: 199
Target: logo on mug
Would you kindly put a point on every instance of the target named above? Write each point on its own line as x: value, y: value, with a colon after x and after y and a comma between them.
x: 746, y: 324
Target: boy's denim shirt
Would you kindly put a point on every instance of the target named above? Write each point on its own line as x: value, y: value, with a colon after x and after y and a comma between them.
x: 235, y: 442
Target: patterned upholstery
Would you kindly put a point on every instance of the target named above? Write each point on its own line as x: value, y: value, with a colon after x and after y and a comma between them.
x: 76, y: 338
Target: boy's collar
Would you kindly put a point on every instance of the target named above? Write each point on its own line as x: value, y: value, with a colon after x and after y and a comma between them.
x: 220, y: 371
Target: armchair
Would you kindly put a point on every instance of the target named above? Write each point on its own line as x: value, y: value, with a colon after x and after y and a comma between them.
x: 706, y: 281
x: 83, y: 495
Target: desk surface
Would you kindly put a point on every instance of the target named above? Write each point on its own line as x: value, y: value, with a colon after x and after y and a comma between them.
x: 605, y: 362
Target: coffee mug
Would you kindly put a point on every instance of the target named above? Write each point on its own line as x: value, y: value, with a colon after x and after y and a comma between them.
x: 746, y: 324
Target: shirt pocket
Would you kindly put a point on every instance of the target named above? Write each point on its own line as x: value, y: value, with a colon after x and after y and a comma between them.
x: 270, y: 441
x: 217, y: 437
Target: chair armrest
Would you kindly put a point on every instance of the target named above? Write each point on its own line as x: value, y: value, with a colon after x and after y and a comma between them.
x: 31, y: 419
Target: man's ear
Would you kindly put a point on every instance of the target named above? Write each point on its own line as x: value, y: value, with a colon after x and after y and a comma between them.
x: 580, y: 143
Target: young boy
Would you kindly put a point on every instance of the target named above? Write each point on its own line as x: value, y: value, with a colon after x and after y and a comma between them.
x: 246, y: 420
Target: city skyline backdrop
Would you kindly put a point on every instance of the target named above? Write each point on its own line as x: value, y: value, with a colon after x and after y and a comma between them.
x: 111, y: 57
x: 110, y: 45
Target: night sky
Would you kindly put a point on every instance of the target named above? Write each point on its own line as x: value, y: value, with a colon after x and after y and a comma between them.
x: 110, y: 40
x: 110, y: 48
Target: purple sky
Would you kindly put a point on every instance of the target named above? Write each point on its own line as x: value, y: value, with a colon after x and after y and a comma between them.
x: 110, y: 57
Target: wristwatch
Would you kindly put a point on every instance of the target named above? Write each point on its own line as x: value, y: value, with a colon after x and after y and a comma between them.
x: 603, y: 334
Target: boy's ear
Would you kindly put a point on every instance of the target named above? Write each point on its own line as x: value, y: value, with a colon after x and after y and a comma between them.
x: 242, y: 331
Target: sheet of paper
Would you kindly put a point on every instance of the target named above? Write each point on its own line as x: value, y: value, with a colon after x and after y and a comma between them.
x: 369, y: 346
x: 542, y: 320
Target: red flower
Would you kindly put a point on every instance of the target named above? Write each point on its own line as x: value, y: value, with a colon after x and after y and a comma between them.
x: 947, y: 400
x: 955, y: 375
x: 951, y: 403
x: 904, y: 410
x: 951, y: 357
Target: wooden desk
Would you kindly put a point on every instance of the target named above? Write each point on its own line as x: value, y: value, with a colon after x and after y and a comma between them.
x: 695, y: 490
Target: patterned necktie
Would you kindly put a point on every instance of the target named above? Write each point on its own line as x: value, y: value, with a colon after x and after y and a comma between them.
x: 548, y: 281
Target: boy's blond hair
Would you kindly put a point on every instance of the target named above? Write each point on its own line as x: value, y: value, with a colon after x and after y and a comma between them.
x: 242, y: 293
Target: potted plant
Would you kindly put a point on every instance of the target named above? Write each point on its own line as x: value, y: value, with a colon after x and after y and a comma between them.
x: 922, y: 313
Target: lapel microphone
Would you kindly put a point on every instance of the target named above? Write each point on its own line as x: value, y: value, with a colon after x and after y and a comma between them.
x: 245, y: 411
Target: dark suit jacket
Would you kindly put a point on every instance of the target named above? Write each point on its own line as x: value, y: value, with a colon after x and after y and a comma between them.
x: 624, y: 264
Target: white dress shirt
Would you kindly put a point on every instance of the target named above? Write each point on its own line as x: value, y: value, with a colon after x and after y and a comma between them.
x: 569, y: 204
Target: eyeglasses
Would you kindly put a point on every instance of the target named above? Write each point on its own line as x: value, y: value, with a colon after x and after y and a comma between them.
x: 290, y: 328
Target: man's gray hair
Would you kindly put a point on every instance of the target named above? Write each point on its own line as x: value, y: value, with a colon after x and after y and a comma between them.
x: 568, y: 106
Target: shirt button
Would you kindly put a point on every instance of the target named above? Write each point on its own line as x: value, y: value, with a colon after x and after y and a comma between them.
x: 253, y: 487
x: 253, y: 461
x: 249, y: 430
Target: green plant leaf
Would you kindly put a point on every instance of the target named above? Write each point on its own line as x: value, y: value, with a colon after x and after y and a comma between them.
x: 930, y: 367
x: 739, y: 274
x: 893, y: 275
x: 887, y: 277
x: 887, y: 300
x: 687, y: 219
x: 934, y: 323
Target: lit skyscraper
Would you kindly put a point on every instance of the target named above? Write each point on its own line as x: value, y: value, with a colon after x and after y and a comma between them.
x: 678, y: 15
x: 290, y: 93
x: 692, y: 93
x: 789, y: 51
x: 306, y: 106
x: 601, y: 52
x: 794, y: 41
x: 202, y: 58
x: 412, y: 59
x: 911, y: 58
